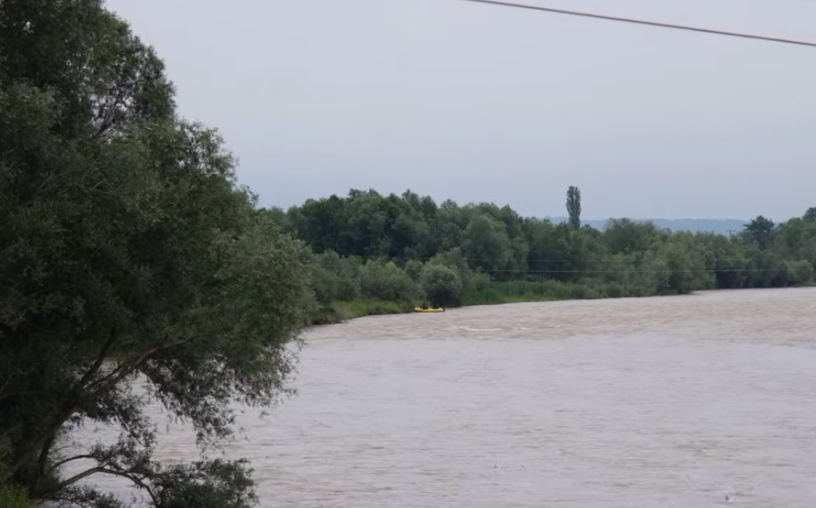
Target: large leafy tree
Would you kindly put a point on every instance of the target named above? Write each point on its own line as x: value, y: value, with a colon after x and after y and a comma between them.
x: 126, y: 251
x: 487, y: 246
x: 624, y: 236
x: 759, y: 231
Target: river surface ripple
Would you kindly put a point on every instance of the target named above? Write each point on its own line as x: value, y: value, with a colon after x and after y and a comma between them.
x: 693, y: 401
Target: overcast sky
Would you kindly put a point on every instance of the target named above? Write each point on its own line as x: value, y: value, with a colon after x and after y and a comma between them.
x: 480, y: 103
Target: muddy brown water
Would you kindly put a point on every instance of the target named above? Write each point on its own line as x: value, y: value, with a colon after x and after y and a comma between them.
x: 695, y: 401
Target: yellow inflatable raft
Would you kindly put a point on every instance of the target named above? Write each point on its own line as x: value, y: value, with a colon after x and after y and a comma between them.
x: 429, y: 310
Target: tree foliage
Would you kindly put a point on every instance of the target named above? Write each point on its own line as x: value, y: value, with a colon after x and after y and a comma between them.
x: 759, y: 231
x: 574, y: 206
x: 14, y: 497
x: 127, y: 251
x: 485, y: 245
x: 387, y: 281
x: 442, y: 285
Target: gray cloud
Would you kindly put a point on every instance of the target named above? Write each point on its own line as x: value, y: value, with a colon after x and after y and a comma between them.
x: 475, y: 102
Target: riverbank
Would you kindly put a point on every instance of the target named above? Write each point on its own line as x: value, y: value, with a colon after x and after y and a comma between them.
x: 338, y: 312
x: 493, y: 293
x: 497, y: 293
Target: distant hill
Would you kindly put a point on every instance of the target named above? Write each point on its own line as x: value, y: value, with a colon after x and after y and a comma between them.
x: 720, y: 226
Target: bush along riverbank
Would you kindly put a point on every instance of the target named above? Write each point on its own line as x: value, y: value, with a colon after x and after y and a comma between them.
x: 370, y: 254
x: 494, y: 293
x: 338, y: 312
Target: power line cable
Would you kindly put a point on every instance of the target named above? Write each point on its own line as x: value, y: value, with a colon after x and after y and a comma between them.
x: 568, y: 260
x: 735, y: 270
x: 648, y: 23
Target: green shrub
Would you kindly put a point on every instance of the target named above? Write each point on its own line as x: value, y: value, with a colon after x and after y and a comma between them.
x: 442, y: 285
x: 387, y: 282
x: 414, y: 269
x: 613, y: 290
x: 799, y: 272
x: 14, y: 497
x: 334, y: 278
x: 478, y: 282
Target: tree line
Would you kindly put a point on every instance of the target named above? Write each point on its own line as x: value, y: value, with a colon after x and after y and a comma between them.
x: 408, y: 248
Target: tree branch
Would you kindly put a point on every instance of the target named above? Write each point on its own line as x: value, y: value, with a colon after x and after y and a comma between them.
x: 69, y: 407
x: 113, y: 472
x: 52, y: 429
x: 128, y: 366
x: 124, y: 369
x: 71, y: 459
x: 46, y: 448
x: 73, y: 502
x: 77, y: 477
x: 100, y: 358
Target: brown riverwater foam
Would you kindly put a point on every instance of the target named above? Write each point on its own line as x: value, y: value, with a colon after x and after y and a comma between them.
x: 702, y: 400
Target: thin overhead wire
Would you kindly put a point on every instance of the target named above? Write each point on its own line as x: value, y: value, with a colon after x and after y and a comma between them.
x: 648, y: 23
x: 731, y: 260
x: 563, y: 260
x: 610, y: 271
x: 635, y: 271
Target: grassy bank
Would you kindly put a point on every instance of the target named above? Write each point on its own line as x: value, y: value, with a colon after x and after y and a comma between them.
x: 492, y: 293
x: 337, y: 312
x: 546, y: 291
x: 529, y: 291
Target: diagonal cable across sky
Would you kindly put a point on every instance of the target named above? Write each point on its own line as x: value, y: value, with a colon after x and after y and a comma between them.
x: 604, y: 17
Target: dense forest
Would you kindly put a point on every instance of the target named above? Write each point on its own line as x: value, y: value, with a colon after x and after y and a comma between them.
x: 369, y: 247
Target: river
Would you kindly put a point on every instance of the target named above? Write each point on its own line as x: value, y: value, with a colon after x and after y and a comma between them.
x: 692, y: 401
